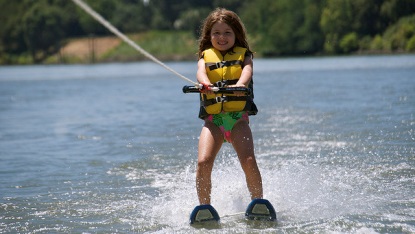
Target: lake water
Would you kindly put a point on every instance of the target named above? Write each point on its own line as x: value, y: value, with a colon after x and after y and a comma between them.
x: 111, y: 148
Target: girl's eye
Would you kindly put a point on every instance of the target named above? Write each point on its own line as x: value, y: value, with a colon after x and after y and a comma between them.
x: 228, y: 33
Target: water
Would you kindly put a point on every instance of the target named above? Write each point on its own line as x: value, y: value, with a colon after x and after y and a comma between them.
x: 112, y: 148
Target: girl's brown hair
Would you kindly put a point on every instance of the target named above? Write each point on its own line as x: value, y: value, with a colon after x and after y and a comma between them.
x: 225, y: 16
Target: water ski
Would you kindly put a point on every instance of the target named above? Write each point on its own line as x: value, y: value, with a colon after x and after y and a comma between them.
x: 260, y: 209
x: 204, y: 214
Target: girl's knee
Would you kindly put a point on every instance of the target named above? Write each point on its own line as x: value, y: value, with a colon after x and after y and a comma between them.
x: 249, y: 162
x: 205, y: 163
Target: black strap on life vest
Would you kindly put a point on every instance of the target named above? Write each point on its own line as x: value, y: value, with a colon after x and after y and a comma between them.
x: 224, y: 83
x: 219, y: 99
x: 213, y: 66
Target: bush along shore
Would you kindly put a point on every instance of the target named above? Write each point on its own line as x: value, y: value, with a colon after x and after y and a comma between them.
x: 176, y: 46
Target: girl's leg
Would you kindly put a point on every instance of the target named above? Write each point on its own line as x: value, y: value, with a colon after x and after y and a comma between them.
x: 244, y: 146
x: 210, y: 142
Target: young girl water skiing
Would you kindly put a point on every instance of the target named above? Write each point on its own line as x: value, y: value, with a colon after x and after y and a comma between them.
x: 225, y: 60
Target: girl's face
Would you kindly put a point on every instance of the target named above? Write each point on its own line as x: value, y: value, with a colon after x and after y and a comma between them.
x: 222, y: 36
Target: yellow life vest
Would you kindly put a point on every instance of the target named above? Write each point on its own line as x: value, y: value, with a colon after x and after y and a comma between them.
x: 224, y: 70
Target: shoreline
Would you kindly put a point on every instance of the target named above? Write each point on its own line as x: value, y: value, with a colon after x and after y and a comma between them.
x: 110, y: 49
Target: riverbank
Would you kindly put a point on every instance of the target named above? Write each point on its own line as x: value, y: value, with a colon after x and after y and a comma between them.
x: 176, y: 45
x: 164, y: 45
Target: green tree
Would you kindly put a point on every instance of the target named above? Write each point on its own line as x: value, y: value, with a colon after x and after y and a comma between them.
x: 191, y: 20
x: 377, y: 43
x: 11, y: 30
x: 392, y: 10
x: 397, y: 36
x: 366, y: 18
x: 410, y: 46
x: 233, y: 5
x: 88, y: 24
x: 257, y: 19
x: 284, y: 27
x: 310, y: 37
x: 349, y: 43
x: 42, y: 30
x: 131, y: 16
x: 336, y: 21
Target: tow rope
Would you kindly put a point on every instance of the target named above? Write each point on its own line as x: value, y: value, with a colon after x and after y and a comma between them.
x: 127, y: 40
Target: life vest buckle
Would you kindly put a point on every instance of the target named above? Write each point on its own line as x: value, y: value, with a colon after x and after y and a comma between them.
x: 220, y: 84
x: 221, y: 64
x: 221, y: 99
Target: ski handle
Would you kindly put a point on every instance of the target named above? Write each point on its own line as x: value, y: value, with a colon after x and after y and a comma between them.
x: 228, y: 90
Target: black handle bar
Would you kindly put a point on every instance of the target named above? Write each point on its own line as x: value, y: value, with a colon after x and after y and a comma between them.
x: 228, y: 90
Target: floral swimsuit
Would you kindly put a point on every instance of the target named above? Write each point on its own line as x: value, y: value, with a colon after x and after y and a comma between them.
x: 226, y: 120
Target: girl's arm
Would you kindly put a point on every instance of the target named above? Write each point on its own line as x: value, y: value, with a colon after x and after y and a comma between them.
x: 247, y: 72
x: 201, y: 74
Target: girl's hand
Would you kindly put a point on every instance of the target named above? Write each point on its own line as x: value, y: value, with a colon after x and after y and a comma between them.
x: 206, y: 88
x: 240, y: 93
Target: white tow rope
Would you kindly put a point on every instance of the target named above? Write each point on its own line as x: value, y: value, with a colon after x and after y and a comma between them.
x: 114, y: 30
